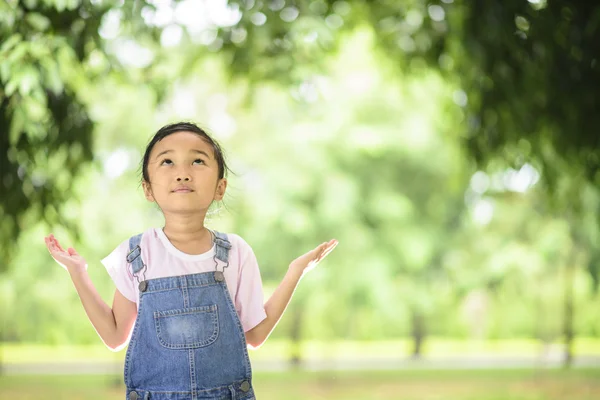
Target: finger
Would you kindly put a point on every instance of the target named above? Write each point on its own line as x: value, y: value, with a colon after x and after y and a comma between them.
x: 317, y: 253
x: 51, y: 245
x: 48, y: 244
x: 317, y: 250
x: 58, y: 245
x: 54, y: 249
x: 331, y: 245
x: 72, y: 252
x: 322, y: 247
x: 328, y: 246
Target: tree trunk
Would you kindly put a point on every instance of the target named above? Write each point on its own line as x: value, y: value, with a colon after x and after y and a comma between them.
x: 569, y: 311
x: 295, y: 336
x: 418, y: 332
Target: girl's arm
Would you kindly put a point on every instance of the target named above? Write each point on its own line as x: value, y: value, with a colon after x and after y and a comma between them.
x: 277, y: 303
x: 113, y: 325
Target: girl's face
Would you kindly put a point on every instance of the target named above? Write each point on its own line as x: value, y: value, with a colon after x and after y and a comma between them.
x: 184, y: 175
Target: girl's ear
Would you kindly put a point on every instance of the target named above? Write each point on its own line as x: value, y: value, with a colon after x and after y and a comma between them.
x: 147, y: 191
x: 220, y: 192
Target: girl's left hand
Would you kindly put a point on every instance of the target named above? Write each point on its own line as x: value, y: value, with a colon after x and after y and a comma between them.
x: 308, y: 261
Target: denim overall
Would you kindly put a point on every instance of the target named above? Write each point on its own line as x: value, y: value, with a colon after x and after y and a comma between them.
x: 187, y: 341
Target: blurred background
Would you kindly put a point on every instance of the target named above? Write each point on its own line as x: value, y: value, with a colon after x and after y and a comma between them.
x: 452, y: 147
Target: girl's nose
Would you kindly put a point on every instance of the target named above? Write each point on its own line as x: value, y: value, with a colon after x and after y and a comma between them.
x: 183, y: 174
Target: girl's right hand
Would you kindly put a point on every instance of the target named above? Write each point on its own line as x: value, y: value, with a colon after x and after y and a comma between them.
x: 69, y: 260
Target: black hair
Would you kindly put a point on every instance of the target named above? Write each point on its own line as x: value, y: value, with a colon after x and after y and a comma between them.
x: 184, y: 127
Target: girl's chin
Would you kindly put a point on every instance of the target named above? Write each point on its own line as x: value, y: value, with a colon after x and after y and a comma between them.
x: 184, y: 209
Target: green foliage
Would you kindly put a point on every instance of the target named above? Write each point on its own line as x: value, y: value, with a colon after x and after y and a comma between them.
x: 346, y: 120
x: 528, y: 69
x: 46, y: 129
x: 50, y: 54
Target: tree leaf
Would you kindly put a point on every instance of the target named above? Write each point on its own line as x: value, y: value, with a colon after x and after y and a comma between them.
x: 10, y: 42
x: 38, y: 21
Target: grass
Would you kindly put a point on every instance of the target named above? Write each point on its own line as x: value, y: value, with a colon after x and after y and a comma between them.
x: 580, y: 384
x: 315, y: 350
x: 503, y: 384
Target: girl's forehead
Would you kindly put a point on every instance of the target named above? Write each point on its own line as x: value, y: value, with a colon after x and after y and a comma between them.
x: 182, y: 141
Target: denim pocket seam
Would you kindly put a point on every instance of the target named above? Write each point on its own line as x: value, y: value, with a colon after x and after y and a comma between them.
x: 212, y: 309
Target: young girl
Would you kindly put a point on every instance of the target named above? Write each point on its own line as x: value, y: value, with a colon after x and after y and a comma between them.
x: 188, y: 300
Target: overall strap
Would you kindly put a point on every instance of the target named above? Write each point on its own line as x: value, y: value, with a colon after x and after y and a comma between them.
x: 222, y: 246
x: 135, y: 254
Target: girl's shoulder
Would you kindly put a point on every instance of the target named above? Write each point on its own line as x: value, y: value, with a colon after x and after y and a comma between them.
x: 234, y: 238
x: 238, y: 243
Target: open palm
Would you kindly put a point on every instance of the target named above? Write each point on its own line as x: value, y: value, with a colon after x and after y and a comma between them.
x: 308, y: 261
x: 68, y: 259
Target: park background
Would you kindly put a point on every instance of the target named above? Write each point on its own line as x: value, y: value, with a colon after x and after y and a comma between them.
x: 452, y: 147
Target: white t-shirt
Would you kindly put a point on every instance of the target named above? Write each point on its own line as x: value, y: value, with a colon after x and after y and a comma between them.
x: 164, y: 260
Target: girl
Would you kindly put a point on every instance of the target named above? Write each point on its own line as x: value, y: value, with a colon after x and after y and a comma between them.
x: 188, y: 300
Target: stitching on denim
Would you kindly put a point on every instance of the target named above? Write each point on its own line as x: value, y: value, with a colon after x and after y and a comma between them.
x: 193, y: 383
x: 132, y: 340
x: 153, y: 290
x: 199, y: 391
x: 184, y: 311
x: 203, y: 392
x: 186, y: 298
x: 160, y: 391
x: 241, y: 334
x: 193, y: 345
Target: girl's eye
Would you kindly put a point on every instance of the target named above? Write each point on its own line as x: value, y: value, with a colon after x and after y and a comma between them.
x: 166, y: 161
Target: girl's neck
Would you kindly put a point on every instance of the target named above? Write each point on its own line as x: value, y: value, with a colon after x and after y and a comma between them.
x: 189, y: 238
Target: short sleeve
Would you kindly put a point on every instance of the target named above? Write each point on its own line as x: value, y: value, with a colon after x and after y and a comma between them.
x: 117, y: 267
x: 249, y: 299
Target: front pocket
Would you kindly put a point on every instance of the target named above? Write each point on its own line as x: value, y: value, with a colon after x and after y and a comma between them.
x: 187, y: 328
